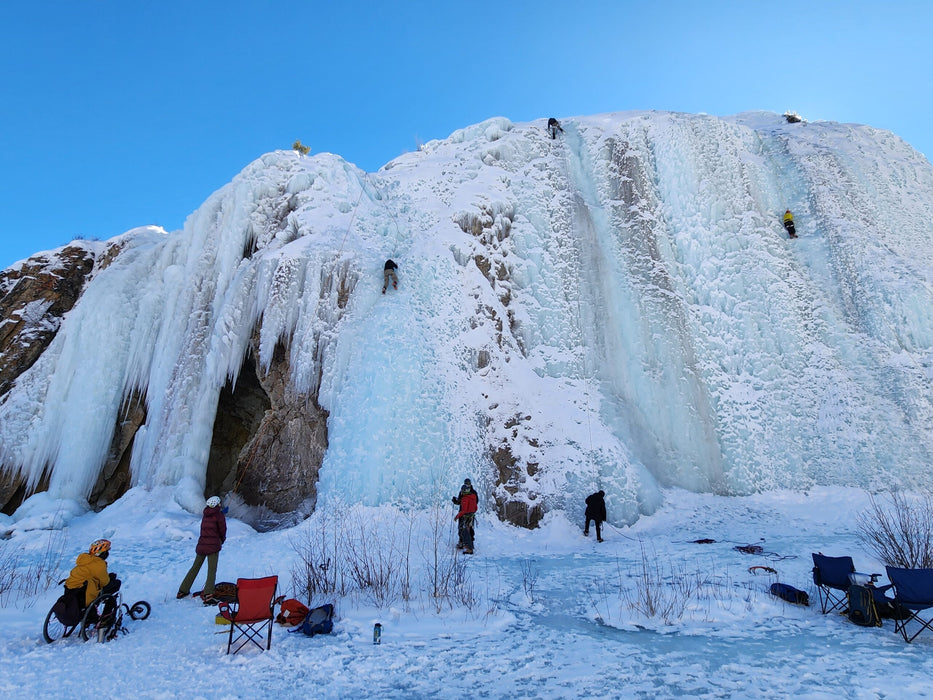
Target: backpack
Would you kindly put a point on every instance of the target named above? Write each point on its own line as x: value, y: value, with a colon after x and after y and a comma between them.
x: 790, y: 594
x: 224, y: 592
x: 862, y: 609
x: 317, y: 621
x: 293, y: 612
x: 69, y: 608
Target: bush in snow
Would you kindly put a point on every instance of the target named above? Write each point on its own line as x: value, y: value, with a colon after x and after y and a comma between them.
x: 899, y: 530
x: 368, y: 552
x: 23, y: 581
x: 301, y: 148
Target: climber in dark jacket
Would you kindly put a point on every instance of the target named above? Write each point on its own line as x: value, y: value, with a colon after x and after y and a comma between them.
x: 388, y: 274
x: 595, y: 511
x: 553, y: 126
x: 213, y: 535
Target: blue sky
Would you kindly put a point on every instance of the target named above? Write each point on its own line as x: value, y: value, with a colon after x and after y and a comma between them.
x: 120, y: 114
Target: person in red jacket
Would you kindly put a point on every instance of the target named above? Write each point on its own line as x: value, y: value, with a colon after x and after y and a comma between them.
x: 468, y: 502
x: 213, y: 534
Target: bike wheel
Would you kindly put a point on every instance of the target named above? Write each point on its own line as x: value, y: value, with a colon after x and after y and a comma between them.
x: 54, y: 629
x: 92, y: 619
x: 140, y: 610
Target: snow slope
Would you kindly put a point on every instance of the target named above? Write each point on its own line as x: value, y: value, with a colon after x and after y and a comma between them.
x: 619, y: 306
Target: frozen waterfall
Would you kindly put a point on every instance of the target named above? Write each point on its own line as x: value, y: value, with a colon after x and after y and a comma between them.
x: 618, y: 308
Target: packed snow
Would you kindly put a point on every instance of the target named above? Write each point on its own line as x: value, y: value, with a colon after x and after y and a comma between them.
x: 537, y: 614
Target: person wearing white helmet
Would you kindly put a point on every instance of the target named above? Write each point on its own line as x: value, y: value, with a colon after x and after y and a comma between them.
x: 210, y: 542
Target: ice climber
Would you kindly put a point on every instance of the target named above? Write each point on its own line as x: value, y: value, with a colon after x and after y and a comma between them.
x: 388, y: 273
x: 89, y: 577
x: 789, y: 224
x: 595, y: 511
x: 210, y: 542
x: 468, y: 501
x: 553, y: 126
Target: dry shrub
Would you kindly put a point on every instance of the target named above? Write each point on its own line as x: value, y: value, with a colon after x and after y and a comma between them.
x: 899, y: 530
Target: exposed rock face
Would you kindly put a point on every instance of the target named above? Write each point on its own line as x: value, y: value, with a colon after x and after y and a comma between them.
x: 278, y: 466
x: 35, y: 296
x: 241, y: 409
x: 516, y: 495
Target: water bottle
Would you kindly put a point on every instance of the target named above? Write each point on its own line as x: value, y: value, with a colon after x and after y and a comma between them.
x: 377, y: 633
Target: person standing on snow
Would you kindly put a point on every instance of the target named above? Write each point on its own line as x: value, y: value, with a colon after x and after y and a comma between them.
x: 789, y: 224
x: 388, y: 273
x: 468, y: 502
x: 210, y: 542
x: 595, y: 511
x: 90, y: 570
x: 553, y: 126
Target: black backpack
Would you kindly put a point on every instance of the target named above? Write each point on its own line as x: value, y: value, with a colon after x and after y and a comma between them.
x: 862, y: 610
x: 790, y: 594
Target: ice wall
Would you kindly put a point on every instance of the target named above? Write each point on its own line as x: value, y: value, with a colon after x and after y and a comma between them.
x: 619, y: 308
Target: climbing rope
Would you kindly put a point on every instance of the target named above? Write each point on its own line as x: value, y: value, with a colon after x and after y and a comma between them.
x: 573, y: 237
x: 398, y: 231
x: 249, y: 460
x: 352, y: 218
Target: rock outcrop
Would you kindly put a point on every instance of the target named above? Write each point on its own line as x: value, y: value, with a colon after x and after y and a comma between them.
x: 34, y: 295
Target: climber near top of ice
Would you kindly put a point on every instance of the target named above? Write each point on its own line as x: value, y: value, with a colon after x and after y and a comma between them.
x: 792, y: 117
x: 388, y: 273
x: 553, y: 126
x: 789, y: 224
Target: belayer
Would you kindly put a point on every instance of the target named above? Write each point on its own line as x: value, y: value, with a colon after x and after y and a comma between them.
x: 468, y: 502
x: 388, y: 273
x: 789, y: 224
x: 553, y: 126
x: 210, y: 541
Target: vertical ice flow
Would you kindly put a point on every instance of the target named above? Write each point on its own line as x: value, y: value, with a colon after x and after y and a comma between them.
x: 619, y: 308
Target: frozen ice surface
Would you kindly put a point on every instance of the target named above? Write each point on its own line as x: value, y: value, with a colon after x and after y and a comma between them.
x: 621, y: 304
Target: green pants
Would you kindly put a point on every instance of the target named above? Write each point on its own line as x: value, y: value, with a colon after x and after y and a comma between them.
x: 185, y: 586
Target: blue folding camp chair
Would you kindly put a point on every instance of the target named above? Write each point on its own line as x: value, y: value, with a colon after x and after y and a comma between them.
x: 831, y: 576
x: 913, y: 593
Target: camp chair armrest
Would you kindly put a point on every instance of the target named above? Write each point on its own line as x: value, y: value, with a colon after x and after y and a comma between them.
x: 873, y: 577
x: 226, y: 611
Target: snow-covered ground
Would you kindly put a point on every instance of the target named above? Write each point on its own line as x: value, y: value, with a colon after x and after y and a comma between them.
x: 543, y: 618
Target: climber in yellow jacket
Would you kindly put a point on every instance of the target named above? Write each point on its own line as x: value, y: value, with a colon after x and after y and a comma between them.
x: 91, y: 567
x: 789, y: 224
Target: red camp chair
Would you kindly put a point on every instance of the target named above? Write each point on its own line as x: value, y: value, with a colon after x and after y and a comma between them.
x: 252, y: 612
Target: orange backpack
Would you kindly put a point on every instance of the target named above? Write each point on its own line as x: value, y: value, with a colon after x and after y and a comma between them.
x: 293, y: 612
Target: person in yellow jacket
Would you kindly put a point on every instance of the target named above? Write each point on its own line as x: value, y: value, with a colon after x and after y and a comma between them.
x: 789, y: 224
x: 91, y: 568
